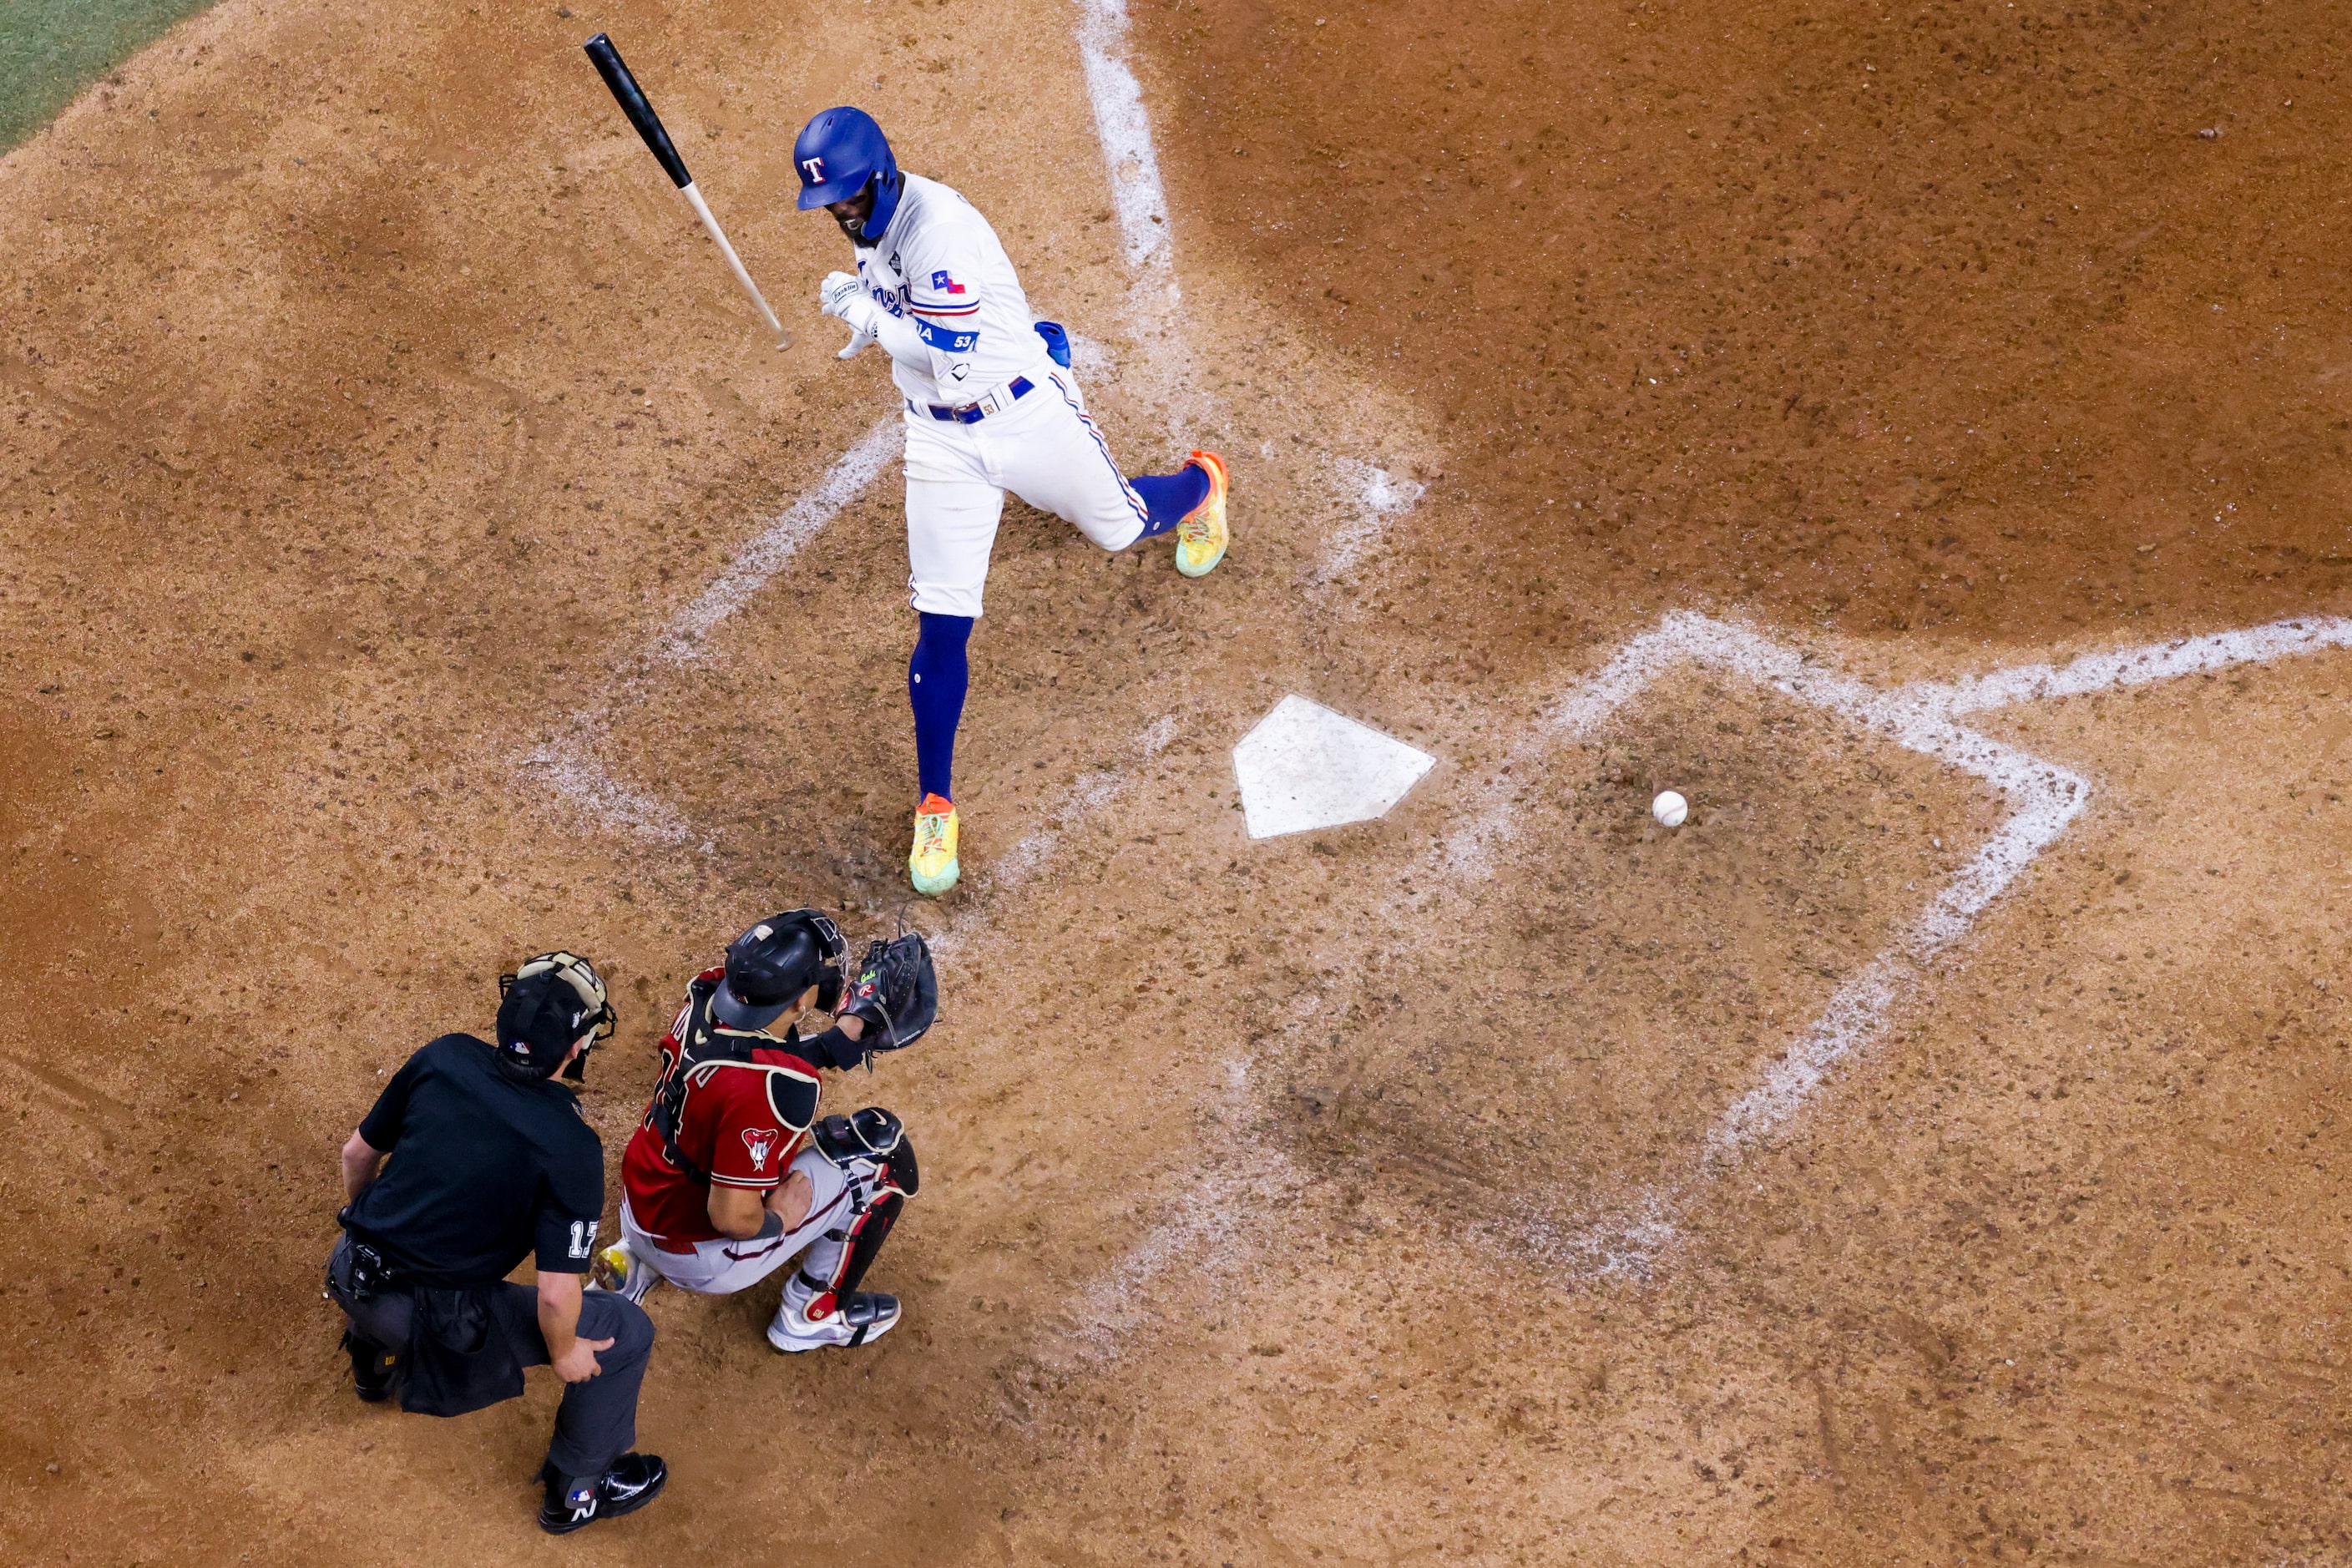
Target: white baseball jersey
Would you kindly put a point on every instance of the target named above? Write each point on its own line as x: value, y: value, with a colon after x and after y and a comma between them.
x: 961, y: 332
x: 940, y: 268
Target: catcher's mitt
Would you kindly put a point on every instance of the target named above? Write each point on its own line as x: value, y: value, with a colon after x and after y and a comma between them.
x: 897, y: 992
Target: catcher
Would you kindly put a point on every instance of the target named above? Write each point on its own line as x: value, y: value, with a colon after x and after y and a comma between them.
x: 732, y: 1175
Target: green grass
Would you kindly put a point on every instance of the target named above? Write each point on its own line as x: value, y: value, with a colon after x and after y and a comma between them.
x: 51, y: 49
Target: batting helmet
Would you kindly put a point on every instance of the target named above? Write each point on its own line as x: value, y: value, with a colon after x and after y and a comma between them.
x: 550, y: 1002
x: 768, y: 966
x: 839, y: 153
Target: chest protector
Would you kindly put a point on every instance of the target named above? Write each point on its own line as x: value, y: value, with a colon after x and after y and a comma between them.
x: 704, y: 1051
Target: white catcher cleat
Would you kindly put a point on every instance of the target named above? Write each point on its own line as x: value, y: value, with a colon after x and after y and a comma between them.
x: 858, y: 1318
x: 622, y: 1271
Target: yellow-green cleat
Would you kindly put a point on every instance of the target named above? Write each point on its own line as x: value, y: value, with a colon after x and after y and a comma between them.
x: 1202, y: 537
x: 619, y: 1270
x: 932, y: 862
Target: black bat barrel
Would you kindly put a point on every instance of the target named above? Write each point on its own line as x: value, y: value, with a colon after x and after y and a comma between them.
x: 632, y: 103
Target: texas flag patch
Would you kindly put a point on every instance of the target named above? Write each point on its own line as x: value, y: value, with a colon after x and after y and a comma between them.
x: 943, y: 284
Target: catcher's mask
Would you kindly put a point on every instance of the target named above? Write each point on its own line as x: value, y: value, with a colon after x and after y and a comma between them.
x: 544, y: 1007
x: 772, y: 965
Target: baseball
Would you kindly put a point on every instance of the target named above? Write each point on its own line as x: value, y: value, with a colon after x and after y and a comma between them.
x: 1670, y: 809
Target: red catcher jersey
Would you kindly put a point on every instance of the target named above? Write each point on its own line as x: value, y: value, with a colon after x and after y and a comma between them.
x: 742, y: 1122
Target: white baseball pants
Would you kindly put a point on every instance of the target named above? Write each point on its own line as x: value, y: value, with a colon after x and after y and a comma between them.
x: 720, y: 1266
x: 1043, y: 449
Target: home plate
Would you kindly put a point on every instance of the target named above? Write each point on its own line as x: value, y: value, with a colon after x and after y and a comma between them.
x: 1304, y: 766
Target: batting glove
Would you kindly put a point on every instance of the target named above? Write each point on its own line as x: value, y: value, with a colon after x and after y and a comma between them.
x: 846, y: 296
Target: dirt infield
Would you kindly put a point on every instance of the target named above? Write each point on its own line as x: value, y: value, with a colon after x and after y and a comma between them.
x: 376, y: 414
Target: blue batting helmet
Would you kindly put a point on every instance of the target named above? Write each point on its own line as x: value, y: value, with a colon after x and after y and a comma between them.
x: 839, y: 153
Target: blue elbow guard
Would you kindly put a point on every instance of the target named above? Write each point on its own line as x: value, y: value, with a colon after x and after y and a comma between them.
x: 1058, y: 343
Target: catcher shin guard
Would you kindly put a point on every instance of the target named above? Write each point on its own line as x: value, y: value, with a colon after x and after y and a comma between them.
x: 822, y: 1304
x: 853, y: 1250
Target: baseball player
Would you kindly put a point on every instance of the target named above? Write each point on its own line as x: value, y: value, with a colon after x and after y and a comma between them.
x: 991, y: 406
x: 732, y: 1175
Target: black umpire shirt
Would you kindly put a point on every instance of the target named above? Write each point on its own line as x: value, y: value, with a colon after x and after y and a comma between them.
x: 486, y: 1170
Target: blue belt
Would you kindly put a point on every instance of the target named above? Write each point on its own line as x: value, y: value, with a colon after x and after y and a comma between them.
x: 973, y: 413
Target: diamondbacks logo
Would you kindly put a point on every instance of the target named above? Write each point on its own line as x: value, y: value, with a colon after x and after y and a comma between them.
x: 761, y: 1142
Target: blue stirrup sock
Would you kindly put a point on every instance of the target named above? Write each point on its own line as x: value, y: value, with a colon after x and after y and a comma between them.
x: 1168, y: 496
x: 937, y: 675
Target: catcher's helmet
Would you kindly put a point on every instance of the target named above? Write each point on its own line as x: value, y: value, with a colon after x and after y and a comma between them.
x: 839, y: 153
x: 552, y: 1001
x: 768, y: 966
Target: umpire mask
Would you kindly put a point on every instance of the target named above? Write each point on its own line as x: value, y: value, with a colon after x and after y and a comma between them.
x: 550, y: 1002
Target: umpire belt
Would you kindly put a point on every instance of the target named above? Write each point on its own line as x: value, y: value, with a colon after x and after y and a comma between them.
x: 995, y: 400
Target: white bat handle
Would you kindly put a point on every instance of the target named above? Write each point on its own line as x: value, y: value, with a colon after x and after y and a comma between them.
x: 719, y: 238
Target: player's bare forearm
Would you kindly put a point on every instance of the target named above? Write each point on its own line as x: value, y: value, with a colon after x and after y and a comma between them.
x: 558, y: 1312
x: 360, y: 1163
x: 574, y: 1358
x: 736, y: 1212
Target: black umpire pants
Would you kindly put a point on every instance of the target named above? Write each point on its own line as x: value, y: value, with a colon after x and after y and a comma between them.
x: 597, y: 1422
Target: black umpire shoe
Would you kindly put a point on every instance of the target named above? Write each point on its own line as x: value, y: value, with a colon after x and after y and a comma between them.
x: 633, y: 1480
x: 375, y: 1371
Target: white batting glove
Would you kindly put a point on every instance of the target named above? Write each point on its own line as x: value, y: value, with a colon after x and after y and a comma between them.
x: 848, y: 298
x: 837, y: 289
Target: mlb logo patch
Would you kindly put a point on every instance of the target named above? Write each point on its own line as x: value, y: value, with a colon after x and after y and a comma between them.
x: 945, y: 284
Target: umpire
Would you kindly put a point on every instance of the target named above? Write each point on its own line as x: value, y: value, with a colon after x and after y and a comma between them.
x: 493, y: 1161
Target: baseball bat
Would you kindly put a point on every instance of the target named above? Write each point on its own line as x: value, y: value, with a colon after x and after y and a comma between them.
x: 631, y: 98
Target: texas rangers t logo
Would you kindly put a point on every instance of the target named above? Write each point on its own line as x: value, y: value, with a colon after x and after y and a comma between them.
x: 760, y: 1141
x: 815, y: 167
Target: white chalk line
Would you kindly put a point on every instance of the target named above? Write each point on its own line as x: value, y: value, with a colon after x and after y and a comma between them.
x: 572, y: 765
x: 573, y: 770
x: 2136, y: 666
x: 1080, y: 804
x: 773, y: 548
x: 1131, y: 165
x: 1084, y: 799
x: 1124, y: 127
x: 1380, y: 498
x: 1208, y: 1219
x: 2044, y: 798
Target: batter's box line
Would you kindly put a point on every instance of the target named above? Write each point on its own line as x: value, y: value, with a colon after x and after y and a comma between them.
x: 573, y: 764
x: 2043, y: 798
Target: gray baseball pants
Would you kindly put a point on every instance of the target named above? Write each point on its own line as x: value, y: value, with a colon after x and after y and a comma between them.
x: 597, y: 1422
